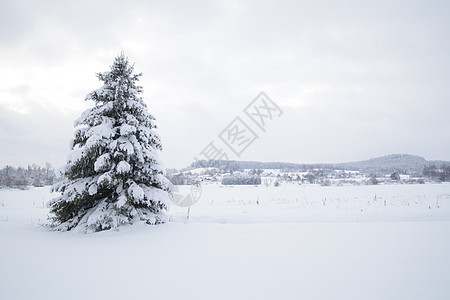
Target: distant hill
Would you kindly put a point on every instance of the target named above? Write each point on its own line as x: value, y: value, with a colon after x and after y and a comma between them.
x: 401, y: 163
x: 238, y: 165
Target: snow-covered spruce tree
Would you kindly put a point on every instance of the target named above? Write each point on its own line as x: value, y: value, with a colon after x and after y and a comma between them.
x: 113, y: 174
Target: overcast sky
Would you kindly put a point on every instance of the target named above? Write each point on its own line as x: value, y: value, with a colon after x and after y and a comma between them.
x: 354, y: 80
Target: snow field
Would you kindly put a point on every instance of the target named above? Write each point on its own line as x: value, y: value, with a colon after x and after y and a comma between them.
x: 289, y: 246
x: 314, y: 203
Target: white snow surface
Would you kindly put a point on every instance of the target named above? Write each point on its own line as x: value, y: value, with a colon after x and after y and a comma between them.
x: 93, y: 189
x: 123, y: 167
x: 98, y: 133
x: 241, y: 242
x: 126, y: 130
x: 102, y: 162
x: 136, y: 192
x: 104, y: 179
x: 126, y: 145
x: 75, y: 155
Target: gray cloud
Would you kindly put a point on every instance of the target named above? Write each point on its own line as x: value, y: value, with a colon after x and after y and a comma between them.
x: 36, y: 137
x: 355, y: 79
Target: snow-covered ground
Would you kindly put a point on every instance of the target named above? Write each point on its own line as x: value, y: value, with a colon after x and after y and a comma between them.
x: 242, y: 242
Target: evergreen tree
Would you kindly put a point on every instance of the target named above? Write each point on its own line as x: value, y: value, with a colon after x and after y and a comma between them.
x: 113, y: 174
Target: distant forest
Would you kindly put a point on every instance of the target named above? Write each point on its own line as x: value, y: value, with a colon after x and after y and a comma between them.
x: 33, y: 175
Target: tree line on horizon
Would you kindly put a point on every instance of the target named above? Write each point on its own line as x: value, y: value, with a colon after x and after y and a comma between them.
x: 32, y: 175
x: 402, y: 163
